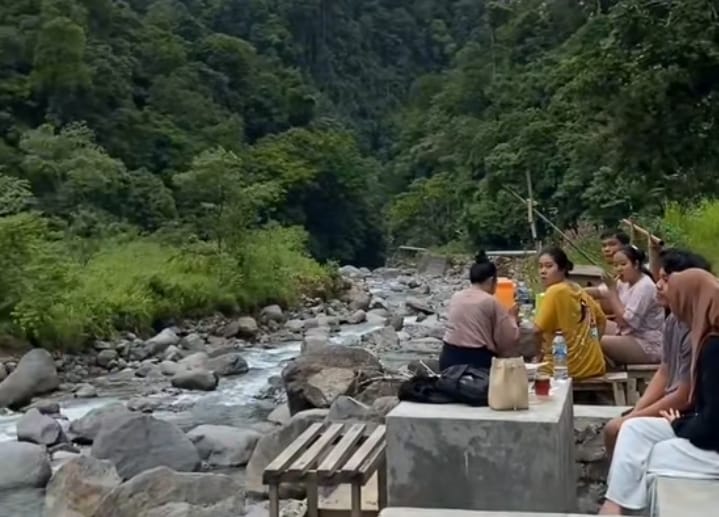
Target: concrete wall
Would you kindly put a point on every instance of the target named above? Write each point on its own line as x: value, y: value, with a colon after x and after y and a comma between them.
x: 454, y: 456
x: 418, y: 479
x: 592, y: 463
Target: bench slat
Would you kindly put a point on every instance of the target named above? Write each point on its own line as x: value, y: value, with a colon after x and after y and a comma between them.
x: 349, y: 470
x: 311, y: 455
x: 368, y: 469
x: 341, y: 451
x: 276, y: 468
x: 607, y: 378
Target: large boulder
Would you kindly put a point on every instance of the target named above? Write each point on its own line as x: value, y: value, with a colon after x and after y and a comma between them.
x: 143, y: 442
x: 228, y: 364
x: 79, y: 486
x: 162, y: 492
x: 382, y: 339
x: 224, y: 446
x: 35, y: 427
x: 357, y: 298
x: 272, y: 444
x: 24, y: 465
x: 84, y: 430
x: 244, y: 327
x: 272, y: 313
x: 203, y: 380
x: 316, y: 379
x: 35, y: 374
x: 161, y: 341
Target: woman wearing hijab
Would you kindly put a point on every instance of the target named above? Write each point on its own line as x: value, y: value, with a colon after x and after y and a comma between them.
x: 677, y: 445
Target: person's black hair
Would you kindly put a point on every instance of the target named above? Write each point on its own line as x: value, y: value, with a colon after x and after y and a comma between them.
x: 637, y: 257
x: 674, y: 260
x: 620, y: 235
x: 483, y: 269
x: 559, y: 257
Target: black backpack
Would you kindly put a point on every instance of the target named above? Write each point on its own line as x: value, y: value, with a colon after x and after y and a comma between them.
x: 462, y: 384
x: 465, y: 384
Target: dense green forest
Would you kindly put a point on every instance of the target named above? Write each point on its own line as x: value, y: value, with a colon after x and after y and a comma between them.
x: 168, y: 158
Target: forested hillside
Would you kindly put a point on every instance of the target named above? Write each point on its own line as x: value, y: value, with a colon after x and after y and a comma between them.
x: 171, y: 157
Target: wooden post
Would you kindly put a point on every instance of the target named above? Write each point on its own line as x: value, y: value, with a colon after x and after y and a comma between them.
x: 530, y: 212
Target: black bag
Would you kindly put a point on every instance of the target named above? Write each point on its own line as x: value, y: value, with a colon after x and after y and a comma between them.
x: 465, y: 384
x: 423, y: 388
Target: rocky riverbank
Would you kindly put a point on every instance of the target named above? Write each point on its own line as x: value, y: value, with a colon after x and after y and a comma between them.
x: 208, y: 403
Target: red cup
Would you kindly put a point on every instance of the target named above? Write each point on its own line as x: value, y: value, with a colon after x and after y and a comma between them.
x: 541, y: 386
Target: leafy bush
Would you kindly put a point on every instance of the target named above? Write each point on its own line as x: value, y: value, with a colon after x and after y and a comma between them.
x: 134, y: 282
x: 695, y: 227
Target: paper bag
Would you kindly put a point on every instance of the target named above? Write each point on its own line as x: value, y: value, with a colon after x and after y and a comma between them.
x: 508, y: 384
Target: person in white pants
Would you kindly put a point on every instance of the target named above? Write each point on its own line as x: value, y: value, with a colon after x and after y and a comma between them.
x: 675, y: 445
x: 648, y: 447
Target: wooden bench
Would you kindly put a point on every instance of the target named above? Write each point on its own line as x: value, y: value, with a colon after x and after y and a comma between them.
x: 642, y: 374
x: 623, y: 388
x: 327, y: 456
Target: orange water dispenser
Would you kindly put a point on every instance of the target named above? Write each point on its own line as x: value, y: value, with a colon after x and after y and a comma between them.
x: 506, y: 289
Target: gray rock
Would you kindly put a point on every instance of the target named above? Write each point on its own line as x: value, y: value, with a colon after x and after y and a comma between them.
x: 280, y: 415
x: 315, y: 341
x: 396, y: 321
x: 143, y: 442
x: 24, y: 465
x: 272, y: 313
x: 143, y: 404
x: 270, y: 445
x: 37, y: 428
x: 330, y: 322
x: 347, y: 408
x: 244, y: 327
x: 228, y: 364
x: 47, y: 407
x: 148, y: 369
x: 172, y: 353
x: 160, y: 492
x: 357, y: 298
x: 224, y: 446
x: 350, y: 271
x: 79, y: 486
x: 203, y: 380
x: 3, y: 372
x: 316, y: 379
x: 85, y: 429
x: 35, y: 374
x: 86, y: 391
x: 169, y: 368
x: 295, y: 325
x: 418, y: 305
x: 139, y: 351
x: 193, y: 342
x: 106, y: 357
x: 198, y: 360
x: 358, y: 316
x: 378, y: 316
x: 382, y: 339
x: 161, y: 341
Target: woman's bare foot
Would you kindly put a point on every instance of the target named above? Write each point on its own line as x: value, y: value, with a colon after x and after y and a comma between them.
x: 610, y: 508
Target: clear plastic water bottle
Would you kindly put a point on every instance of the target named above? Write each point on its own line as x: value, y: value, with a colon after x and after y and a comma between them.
x: 559, y: 353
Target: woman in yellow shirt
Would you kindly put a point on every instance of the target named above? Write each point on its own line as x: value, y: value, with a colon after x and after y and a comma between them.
x: 568, y: 309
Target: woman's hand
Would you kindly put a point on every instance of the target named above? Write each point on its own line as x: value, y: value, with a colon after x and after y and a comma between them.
x: 609, y: 281
x: 670, y: 414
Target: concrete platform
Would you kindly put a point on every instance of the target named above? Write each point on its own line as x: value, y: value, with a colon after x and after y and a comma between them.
x: 676, y: 497
x: 459, y: 457
x: 443, y: 512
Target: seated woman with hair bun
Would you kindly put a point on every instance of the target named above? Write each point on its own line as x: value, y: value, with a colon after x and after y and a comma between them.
x: 569, y: 309
x: 479, y: 327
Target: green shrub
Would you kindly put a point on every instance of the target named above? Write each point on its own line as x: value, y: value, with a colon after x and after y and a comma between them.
x: 130, y: 283
x: 695, y: 227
